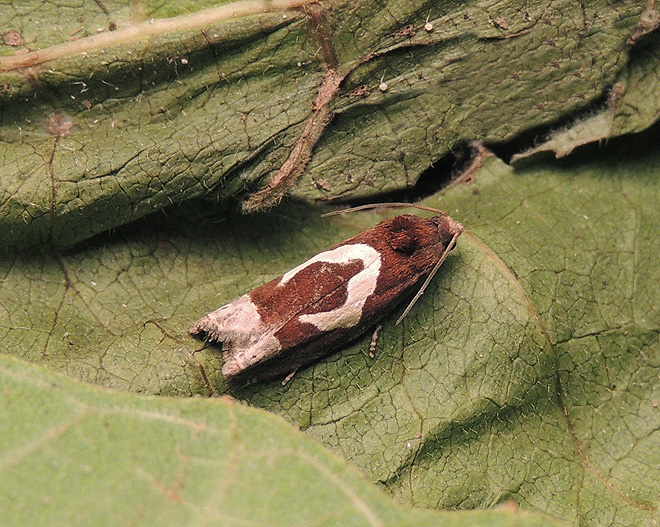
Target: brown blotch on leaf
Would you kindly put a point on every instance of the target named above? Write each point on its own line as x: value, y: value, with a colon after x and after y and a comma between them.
x: 501, y: 22
x: 12, y: 38
x: 406, y: 31
x: 59, y: 124
x: 615, y: 95
x: 361, y: 91
x: 324, y: 184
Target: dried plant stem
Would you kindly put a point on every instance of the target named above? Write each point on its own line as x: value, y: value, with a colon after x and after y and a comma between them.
x: 150, y: 28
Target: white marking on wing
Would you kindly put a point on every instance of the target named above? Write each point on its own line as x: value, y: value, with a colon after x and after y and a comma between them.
x: 239, y: 325
x: 359, y: 288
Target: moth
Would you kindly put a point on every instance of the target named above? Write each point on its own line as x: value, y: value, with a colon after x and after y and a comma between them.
x: 329, y: 300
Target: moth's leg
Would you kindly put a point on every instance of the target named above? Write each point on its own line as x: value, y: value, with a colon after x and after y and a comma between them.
x: 374, y: 341
x: 289, y: 377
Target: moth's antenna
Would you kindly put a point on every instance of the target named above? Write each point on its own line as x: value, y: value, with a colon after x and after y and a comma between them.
x: 426, y: 283
x: 383, y: 205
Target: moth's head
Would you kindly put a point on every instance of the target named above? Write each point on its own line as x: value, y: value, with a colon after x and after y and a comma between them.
x: 446, y: 229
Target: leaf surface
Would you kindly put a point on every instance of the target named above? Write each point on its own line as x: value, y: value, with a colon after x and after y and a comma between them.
x: 107, y: 115
x: 73, y: 454
x: 527, y: 372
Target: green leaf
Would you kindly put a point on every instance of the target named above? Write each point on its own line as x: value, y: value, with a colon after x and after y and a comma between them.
x: 71, y: 454
x: 115, y: 112
x: 633, y: 104
x: 527, y: 372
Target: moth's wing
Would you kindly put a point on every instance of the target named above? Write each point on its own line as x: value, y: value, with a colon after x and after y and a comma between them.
x: 324, y: 293
x: 239, y: 326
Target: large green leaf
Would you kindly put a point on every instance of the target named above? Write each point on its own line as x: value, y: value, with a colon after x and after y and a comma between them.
x: 528, y: 372
x: 100, y: 127
x: 72, y: 454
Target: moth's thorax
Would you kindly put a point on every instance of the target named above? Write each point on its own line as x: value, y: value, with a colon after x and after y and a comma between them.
x: 422, y: 240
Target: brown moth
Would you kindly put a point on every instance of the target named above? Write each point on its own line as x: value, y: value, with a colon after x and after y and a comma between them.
x: 329, y: 300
